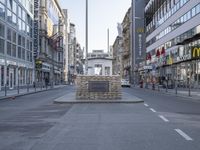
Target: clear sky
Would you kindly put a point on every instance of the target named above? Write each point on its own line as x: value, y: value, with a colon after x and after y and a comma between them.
x: 103, y: 14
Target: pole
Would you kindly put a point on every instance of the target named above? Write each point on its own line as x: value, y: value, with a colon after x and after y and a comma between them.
x: 108, y: 36
x: 132, y: 45
x: 86, y: 37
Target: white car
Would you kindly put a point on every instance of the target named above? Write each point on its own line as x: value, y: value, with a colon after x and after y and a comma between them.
x: 125, y: 83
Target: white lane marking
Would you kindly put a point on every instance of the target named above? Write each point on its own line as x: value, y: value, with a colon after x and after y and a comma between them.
x: 152, y: 110
x: 146, y: 105
x: 163, y: 118
x: 184, y: 135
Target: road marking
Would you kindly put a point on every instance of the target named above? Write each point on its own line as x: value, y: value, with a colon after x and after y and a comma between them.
x: 184, y: 135
x: 152, y: 110
x: 146, y: 105
x: 163, y: 118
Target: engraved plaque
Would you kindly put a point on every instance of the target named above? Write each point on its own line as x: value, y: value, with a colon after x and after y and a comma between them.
x: 98, y: 86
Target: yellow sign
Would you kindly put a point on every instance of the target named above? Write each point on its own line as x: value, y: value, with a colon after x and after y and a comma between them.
x: 195, y: 52
x: 140, y: 30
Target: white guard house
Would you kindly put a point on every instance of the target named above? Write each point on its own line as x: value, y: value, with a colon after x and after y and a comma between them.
x: 99, y: 63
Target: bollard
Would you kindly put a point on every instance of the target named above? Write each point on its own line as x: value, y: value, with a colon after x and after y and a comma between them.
x: 34, y: 85
x: 189, y: 90
x: 18, y: 88
x: 5, y: 89
x: 41, y: 86
x: 27, y: 88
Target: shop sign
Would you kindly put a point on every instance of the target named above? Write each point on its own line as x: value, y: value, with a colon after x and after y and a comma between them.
x: 195, y: 52
x: 147, y: 67
x: 9, y: 62
x: 182, y: 58
x: 21, y: 65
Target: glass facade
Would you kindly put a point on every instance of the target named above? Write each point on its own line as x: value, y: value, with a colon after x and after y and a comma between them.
x: 16, y: 50
x: 173, y: 59
x: 186, y: 17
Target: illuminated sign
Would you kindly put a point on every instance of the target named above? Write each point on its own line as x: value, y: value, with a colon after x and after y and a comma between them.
x: 195, y: 52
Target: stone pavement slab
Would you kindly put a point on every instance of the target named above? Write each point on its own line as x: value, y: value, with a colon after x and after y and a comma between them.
x: 71, y: 98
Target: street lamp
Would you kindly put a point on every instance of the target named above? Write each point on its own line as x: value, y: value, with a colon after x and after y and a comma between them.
x: 86, y: 38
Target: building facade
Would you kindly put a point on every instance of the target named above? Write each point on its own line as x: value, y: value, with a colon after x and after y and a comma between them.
x: 99, y: 63
x: 72, y: 51
x: 65, y: 40
x: 173, y: 29
x: 126, y: 54
x: 79, y: 59
x: 16, y: 43
x: 49, y: 28
x: 117, y: 56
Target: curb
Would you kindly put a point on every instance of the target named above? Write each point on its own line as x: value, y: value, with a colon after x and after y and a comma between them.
x: 28, y: 93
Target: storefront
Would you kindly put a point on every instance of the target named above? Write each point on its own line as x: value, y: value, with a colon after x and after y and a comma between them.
x: 13, y: 73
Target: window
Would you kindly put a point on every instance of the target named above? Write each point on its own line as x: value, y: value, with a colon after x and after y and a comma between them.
x: 23, y: 15
x: 14, y: 37
x: 2, y: 46
x: 9, y: 4
x: 193, y: 11
x: 31, y: 47
x: 19, y: 52
x: 19, y: 40
x: 8, y: 48
x: 14, y: 52
x: 9, y: 34
x: 198, y: 9
x: 28, y: 56
x: 20, y: 12
x: 23, y: 42
x: 31, y: 57
x: 14, y: 19
x: 23, y: 53
x: 9, y: 16
x: 2, y: 11
x: 2, y: 30
x: 23, y: 27
x: 27, y: 44
x: 14, y: 9
x: 20, y: 24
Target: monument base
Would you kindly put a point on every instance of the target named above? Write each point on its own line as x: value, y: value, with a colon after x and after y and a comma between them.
x: 98, y: 88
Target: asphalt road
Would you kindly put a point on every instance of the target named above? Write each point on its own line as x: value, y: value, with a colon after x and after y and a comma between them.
x: 163, y: 122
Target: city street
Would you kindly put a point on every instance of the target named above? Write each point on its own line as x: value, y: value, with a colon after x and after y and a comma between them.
x: 163, y: 122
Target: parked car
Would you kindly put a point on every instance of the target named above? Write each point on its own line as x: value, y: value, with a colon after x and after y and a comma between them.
x: 125, y: 83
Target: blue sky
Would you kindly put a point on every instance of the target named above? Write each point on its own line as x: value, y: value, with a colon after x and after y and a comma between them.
x: 103, y: 14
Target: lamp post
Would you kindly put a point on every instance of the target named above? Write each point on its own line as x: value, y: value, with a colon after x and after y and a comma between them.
x: 86, y: 38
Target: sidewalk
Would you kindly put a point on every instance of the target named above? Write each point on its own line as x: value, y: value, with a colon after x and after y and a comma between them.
x: 181, y: 92
x: 25, y: 91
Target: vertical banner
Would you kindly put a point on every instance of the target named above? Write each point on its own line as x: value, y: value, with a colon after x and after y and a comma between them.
x: 36, y: 28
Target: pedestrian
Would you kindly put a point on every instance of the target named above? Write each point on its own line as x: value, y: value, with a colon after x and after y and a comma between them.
x: 141, y: 83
